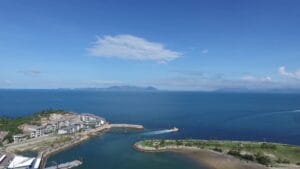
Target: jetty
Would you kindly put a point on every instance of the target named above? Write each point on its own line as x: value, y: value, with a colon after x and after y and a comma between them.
x: 57, y: 131
x: 67, y: 165
x: 129, y: 126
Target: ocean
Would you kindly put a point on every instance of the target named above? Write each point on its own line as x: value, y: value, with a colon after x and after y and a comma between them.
x: 198, y: 115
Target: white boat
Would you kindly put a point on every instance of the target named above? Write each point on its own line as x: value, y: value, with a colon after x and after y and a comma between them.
x: 174, y: 129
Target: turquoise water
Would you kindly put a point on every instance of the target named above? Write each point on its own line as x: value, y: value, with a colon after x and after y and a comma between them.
x: 262, y: 117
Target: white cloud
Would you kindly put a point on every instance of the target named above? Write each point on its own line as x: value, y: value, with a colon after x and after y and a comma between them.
x: 5, y: 83
x: 8, y: 82
x: 212, y: 82
x: 283, y: 72
x: 32, y: 73
x: 133, y: 48
x: 251, y: 78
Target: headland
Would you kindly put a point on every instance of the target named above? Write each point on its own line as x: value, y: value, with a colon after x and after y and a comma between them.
x: 217, y: 154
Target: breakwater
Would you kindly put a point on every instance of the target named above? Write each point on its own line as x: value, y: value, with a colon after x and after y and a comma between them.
x: 129, y: 126
x: 81, y: 137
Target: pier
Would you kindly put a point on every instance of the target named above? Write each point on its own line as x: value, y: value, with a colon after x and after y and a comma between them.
x: 76, y: 138
x: 129, y: 126
x: 67, y: 165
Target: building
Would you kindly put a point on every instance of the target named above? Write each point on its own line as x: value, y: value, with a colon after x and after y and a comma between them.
x: 37, y: 131
x: 50, y: 128
x: 68, y: 130
x: 20, y: 138
x: 91, y: 121
x: 70, y: 125
x: 20, y: 162
x: 87, y: 117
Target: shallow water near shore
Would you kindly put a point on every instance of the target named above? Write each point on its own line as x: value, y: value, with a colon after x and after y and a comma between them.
x: 114, y: 150
x: 260, y: 117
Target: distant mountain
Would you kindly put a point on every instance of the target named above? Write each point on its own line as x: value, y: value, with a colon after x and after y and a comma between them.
x: 121, y: 88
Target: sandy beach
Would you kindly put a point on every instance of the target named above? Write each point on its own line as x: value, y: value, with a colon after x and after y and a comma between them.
x: 214, y: 160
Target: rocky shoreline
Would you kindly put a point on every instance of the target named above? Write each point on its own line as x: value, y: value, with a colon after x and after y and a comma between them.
x: 209, y: 158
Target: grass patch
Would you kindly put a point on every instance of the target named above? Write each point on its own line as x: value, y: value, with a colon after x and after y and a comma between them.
x: 263, y: 153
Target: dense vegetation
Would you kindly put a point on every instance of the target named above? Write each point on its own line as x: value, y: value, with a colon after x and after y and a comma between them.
x: 11, y: 125
x: 264, y: 153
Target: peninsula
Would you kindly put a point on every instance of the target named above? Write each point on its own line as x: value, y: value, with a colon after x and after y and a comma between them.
x: 229, y: 154
x: 47, y: 132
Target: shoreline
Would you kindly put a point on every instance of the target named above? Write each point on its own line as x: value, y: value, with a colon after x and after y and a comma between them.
x: 76, y: 139
x: 86, y: 136
x: 209, y: 158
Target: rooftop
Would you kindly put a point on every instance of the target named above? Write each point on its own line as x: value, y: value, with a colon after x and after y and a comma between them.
x: 20, y: 161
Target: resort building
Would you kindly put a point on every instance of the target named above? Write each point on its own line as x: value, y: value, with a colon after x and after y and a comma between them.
x: 20, y: 138
x: 91, y: 121
x: 36, y: 131
x: 65, y: 125
x: 67, y: 130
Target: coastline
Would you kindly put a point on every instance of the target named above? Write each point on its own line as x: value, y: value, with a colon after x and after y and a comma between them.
x: 85, y: 137
x: 206, y: 158
x: 75, y: 139
x: 209, y: 158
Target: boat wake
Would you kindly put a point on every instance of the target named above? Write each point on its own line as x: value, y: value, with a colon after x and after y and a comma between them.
x: 296, y: 111
x: 158, y: 132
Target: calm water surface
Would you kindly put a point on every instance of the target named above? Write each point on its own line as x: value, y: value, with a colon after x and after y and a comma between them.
x: 262, y: 117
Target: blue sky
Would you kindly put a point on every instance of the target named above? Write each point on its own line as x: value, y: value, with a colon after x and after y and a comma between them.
x: 183, y: 45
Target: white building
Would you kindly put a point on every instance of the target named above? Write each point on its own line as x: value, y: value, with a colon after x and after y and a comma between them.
x: 88, y: 117
x: 90, y: 120
x: 36, y: 131
x: 20, y: 162
x: 68, y: 130
x: 20, y: 138
x: 62, y: 131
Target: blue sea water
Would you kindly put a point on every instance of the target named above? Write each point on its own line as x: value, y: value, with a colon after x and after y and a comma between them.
x: 233, y: 116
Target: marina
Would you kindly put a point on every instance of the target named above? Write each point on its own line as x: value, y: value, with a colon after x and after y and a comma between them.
x: 57, y: 131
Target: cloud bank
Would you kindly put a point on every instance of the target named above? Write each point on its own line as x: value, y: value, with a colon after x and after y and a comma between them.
x: 250, y: 78
x: 132, y: 48
x: 293, y: 75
